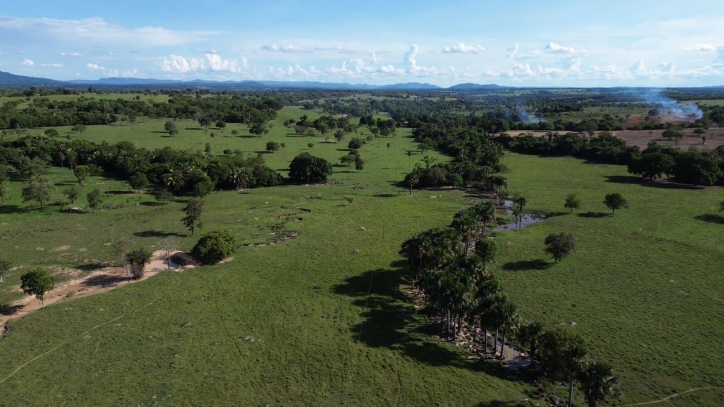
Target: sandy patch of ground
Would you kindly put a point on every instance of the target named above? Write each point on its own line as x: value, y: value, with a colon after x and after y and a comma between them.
x: 100, y: 281
x: 59, y: 249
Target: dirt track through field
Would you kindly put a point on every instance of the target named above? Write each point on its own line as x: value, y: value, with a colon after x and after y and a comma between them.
x: 97, y: 282
x: 665, y: 399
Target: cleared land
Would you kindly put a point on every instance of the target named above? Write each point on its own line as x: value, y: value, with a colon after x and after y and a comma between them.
x: 309, y: 322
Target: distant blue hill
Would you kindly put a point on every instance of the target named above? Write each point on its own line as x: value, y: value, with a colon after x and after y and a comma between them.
x: 9, y: 79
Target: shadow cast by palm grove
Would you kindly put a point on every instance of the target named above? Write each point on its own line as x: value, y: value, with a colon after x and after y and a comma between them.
x: 709, y: 218
x: 524, y: 265
x: 621, y: 179
x: 391, y: 321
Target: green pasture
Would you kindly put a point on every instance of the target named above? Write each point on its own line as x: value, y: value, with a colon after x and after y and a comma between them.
x: 311, y: 322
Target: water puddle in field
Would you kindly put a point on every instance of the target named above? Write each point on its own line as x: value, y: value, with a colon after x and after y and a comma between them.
x: 523, y: 222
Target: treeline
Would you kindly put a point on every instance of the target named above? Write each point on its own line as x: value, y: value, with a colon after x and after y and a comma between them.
x: 43, y: 112
x: 692, y: 166
x: 476, y: 156
x: 449, y: 267
x: 179, y: 171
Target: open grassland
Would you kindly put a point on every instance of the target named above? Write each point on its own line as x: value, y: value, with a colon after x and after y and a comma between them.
x: 705, y: 102
x: 644, y: 285
x: 309, y: 322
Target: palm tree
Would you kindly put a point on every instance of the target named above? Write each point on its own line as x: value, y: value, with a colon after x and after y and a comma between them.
x: 509, y: 320
x: 486, y: 214
x: 468, y: 224
x: 598, y: 382
x: 573, y: 357
x: 529, y: 336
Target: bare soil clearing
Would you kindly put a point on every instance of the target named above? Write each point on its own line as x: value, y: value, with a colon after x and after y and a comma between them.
x: 100, y: 281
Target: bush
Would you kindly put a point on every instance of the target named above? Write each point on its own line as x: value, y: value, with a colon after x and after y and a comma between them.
x: 215, y: 246
x: 138, y: 259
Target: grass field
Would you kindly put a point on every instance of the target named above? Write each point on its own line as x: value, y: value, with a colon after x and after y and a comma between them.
x: 308, y: 322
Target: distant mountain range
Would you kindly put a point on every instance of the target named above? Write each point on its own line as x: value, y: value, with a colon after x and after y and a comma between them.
x: 8, y: 79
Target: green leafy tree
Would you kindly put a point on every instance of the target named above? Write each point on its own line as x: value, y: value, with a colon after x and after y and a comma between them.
x: 163, y: 196
x: 215, y: 246
x: 4, y: 184
x: 4, y: 267
x: 220, y: 124
x: 486, y: 249
x: 51, y: 133
x: 283, y: 145
x: 37, y: 282
x: 95, y: 198
x: 79, y: 128
x: 170, y: 128
x: 674, y: 134
x: 72, y: 193
x: 339, y: 136
x: 39, y: 190
x: 138, y: 181
x: 702, y: 134
x: 562, y: 352
x: 597, y: 383
x: 559, y: 245
x: 138, y: 259
x: 615, y: 201
x: 310, y: 145
x: 121, y: 247
x: 193, y: 210
x: 529, y: 337
x: 310, y: 169
x: 359, y: 164
x: 272, y: 146
x: 572, y: 202
x: 205, y: 122
x: 355, y: 144
x: 259, y: 129
x: 652, y: 165
x: 81, y: 172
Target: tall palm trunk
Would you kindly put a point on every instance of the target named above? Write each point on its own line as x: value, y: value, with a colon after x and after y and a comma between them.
x: 502, y: 346
x: 485, y: 340
x: 448, y: 322
x: 570, y: 393
x: 495, y: 346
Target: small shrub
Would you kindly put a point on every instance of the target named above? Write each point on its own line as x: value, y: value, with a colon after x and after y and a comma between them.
x: 215, y: 246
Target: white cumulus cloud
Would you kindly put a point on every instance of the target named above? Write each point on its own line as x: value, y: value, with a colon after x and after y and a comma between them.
x: 274, y: 47
x: 210, y: 63
x: 71, y: 54
x: 94, y: 67
x: 554, y: 48
x: 27, y: 62
x: 464, y: 49
x: 53, y: 65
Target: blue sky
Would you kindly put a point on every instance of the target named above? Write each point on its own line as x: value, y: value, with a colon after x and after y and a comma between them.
x: 519, y: 43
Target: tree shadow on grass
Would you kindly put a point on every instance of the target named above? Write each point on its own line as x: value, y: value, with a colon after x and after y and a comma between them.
x: 594, y: 215
x: 103, y: 281
x: 622, y: 179
x: 156, y: 233
x: 500, y: 403
x: 7, y: 309
x: 8, y: 209
x: 525, y: 265
x: 391, y: 321
x: 91, y: 266
x: 710, y: 218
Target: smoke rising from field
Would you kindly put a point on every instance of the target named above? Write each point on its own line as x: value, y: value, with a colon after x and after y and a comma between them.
x: 665, y: 104
x: 526, y: 117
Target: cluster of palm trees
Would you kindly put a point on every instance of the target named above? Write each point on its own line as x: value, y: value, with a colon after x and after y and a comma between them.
x: 449, y: 268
